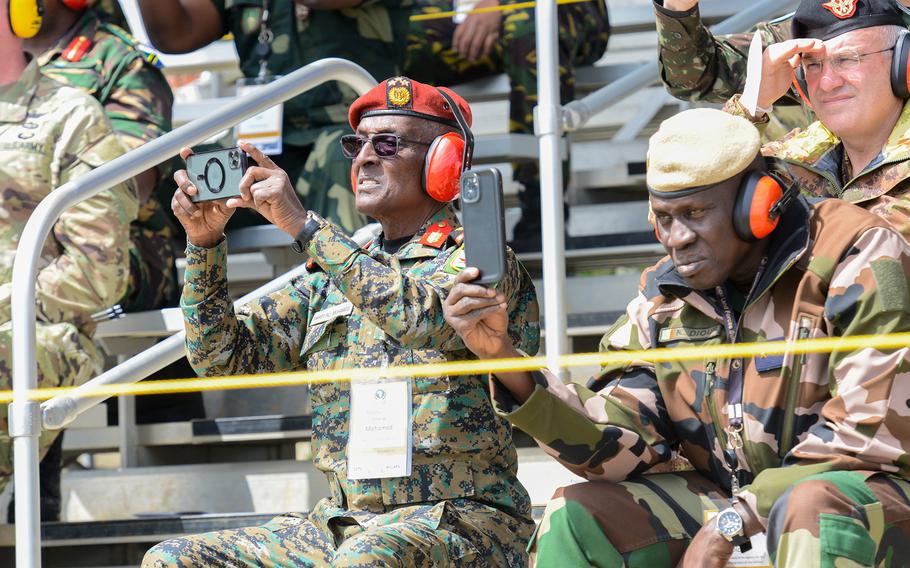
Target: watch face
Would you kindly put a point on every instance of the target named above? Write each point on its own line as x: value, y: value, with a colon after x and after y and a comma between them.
x: 729, y: 523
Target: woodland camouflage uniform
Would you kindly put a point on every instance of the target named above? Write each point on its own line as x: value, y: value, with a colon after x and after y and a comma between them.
x: 371, y: 35
x: 826, y: 436
x: 462, y: 505
x: 583, y: 33
x: 105, y: 61
x: 51, y: 134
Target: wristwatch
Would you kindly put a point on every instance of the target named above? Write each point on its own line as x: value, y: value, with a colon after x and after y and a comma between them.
x: 313, y: 223
x: 730, y: 525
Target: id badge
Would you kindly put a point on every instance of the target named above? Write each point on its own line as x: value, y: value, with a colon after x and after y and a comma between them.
x: 757, y: 557
x: 263, y: 130
x: 379, y: 439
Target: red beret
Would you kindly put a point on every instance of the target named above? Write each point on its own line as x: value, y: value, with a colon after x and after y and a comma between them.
x: 400, y: 95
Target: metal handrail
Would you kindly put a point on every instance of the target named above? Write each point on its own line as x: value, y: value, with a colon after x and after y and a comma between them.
x: 25, y: 414
x: 577, y: 113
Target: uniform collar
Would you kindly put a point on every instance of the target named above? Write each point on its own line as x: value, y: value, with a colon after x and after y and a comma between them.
x: 14, y: 102
x: 87, y: 26
x: 415, y: 248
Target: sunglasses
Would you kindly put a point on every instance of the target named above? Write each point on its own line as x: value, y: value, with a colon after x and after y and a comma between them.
x: 385, y: 145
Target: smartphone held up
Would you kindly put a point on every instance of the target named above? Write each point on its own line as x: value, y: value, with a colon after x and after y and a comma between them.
x: 484, y: 223
x: 217, y: 173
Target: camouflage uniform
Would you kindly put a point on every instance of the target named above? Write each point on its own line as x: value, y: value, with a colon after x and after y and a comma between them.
x: 371, y: 35
x: 824, y: 460
x: 51, y: 134
x: 696, y: 66
x: 817, y: 160
x: 104, y: 61
x: 583, y: 33
x: 463, y: 505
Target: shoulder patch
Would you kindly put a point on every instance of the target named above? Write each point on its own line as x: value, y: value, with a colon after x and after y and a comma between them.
x: 436, y: 235
x: 456, y: 262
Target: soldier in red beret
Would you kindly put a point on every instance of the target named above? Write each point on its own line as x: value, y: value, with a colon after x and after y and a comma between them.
x: 421, y: 471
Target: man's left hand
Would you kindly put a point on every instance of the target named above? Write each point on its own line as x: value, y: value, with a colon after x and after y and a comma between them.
x: 475, y: 37
x: 267, y: 189
x: 709, y: 549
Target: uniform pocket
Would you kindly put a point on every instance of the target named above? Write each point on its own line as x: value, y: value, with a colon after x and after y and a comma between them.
x: 844, y: 538
x: 430, y: 482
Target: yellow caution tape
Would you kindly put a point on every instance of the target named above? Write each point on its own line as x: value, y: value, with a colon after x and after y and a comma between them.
x: 474, y: 367
x: 503, y: 8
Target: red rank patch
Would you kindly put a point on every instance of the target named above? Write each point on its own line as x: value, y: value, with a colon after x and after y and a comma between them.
x: 437, y: 234
x: 77, y: 48
x: 843, y: 9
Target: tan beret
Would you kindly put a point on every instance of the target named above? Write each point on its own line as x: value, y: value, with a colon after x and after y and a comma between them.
x: 697, y: 148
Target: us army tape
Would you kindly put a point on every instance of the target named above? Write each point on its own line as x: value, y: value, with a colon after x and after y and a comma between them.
x: 502, y: 8
x: 455, y: 368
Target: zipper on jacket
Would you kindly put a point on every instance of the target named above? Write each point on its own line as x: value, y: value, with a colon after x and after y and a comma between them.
x: 799, y: 361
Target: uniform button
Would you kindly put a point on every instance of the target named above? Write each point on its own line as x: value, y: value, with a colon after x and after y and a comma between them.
x: 677, y: 35
x: 736, y: 364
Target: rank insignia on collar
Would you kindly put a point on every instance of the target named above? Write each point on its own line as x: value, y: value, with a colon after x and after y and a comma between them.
x: 843, y: 9
x: 456, y: 262
x: 76, y: 49
x: 399, y: 93
x: 436, y: 234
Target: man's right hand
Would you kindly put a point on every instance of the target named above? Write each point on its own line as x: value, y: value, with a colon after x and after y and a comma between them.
x: 680, y: 5
x: 204, y: 222
x: 478, y: 314
x: 779, y: 62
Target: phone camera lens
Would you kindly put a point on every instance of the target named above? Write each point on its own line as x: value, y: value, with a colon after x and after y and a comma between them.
x: 234, y: 158
x: 471, y: 189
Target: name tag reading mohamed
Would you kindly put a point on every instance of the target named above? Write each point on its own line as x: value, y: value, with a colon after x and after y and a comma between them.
x: 379, y: 440
x: 329, y: 314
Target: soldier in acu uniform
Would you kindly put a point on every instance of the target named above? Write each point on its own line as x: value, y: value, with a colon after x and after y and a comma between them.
x: 278, y: 37
x: 441, y: 52
x: 459, y: 502
x: 76, y: 48
x: 51, y: 134
x: 812, y: 449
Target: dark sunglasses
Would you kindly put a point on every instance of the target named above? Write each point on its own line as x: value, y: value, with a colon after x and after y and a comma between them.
x: 385, y: 145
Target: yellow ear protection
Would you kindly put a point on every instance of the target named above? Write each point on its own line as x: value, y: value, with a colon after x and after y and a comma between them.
x: 900, y: 75
x: 448, y: 156
x: 25, y: 17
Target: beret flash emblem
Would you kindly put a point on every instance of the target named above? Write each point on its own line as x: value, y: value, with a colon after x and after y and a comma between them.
x: 843, y: 9
x: 398, y: 93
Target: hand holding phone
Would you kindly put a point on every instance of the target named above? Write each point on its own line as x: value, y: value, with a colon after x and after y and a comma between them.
x: 484, y: 223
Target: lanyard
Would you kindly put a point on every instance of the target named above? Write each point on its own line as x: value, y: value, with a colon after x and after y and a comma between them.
x: 264, y: 47
x: 735, y: 380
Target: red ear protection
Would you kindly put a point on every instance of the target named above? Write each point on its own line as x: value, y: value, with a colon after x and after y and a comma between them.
x: 900, y: 65
x: 802, y: 88
x: 443, y: 166
x: 75, y: 4
x: 755, y: 213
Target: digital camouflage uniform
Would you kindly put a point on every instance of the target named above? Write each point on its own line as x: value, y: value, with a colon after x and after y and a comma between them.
x: 826, y: 436
x: 105, y: 61
x: 51, y: 134
x: 371, y: 35
x: 583, y: 33
x: 816, y: 159
x: 697, y: 66
x: 463, y: 505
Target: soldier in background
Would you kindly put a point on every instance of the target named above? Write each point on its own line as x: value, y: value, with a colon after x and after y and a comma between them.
x: 459, y: 503
x: 295, y: 33
x: 443, y: 52
x: 812, y: 449
x: 76, y: 48
x: 51, y: 134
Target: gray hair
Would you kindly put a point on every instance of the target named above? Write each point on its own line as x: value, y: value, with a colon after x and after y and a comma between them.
x: 891, y: 33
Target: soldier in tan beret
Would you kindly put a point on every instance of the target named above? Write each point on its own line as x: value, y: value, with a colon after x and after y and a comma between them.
x: 773, y: 440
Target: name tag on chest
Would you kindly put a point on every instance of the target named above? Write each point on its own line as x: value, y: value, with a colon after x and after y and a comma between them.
x: 379, y: 441
x: 329, y: 314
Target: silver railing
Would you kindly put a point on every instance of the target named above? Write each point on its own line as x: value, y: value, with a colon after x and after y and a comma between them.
x: 25, y: 414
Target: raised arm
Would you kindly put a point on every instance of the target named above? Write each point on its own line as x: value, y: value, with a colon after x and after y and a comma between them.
x: 181, y: 26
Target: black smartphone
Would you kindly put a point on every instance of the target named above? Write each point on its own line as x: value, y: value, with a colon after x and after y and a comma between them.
x: 217, y: 173
x: 484, y: 223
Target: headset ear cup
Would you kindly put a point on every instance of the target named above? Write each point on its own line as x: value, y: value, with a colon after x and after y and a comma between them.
x: 899, y: 63
x: 802, y: 87
x: 75, y: 4
x: 442, y: 167
x: 752, y: 212
x: 25, y: 17
x: 353, y: 180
